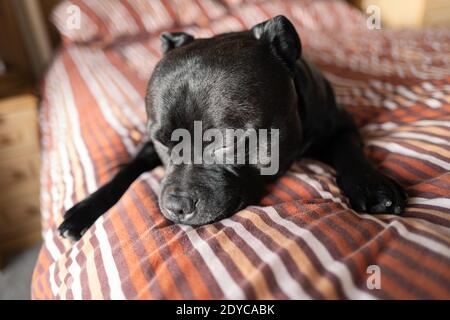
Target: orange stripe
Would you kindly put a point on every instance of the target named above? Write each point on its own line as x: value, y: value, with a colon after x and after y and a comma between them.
x: 154, y: 258
x: 125, y: 243
x: 194, y: 278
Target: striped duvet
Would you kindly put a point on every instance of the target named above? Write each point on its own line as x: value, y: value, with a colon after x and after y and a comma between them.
x: 302, y: 241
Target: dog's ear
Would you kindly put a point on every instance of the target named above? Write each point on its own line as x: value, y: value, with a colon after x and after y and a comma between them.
x: 282, y: 38
x: 171, y: 40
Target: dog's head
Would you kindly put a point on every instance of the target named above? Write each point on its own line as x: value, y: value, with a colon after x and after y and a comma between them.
x: 234, y: 81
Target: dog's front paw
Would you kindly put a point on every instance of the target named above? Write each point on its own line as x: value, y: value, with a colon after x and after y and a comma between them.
x: 76, y: 221
x: 370, y: 191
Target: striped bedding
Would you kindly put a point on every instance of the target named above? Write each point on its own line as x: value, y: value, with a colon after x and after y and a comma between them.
x: 302, y: 241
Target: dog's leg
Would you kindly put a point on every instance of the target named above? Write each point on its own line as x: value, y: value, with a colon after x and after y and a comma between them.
x: 367, y: 189
x: 81, y: 216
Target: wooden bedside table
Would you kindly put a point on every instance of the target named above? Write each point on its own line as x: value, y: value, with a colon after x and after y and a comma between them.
x: 19, y: 175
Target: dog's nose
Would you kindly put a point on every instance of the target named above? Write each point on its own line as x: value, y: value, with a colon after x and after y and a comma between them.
x: 180, y: 205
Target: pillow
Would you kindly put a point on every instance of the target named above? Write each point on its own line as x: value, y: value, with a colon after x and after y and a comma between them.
x: 86, y: 21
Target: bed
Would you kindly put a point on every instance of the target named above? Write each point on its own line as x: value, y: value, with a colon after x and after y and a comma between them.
x: 303, y: 241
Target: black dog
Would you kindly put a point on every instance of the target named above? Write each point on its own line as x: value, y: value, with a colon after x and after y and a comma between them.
x: 258, y: 79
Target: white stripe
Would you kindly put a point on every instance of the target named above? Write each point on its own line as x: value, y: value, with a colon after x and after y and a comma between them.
x: 74, y: 270
x: 384, y: 126
x: 389, y: 104
x: 45, y: 198
x: 61, y: 131
x: 422, y: 241
x: 420, y: 123
x: 317, y: 169
x: 55, y: 254
x: 318, y: 187
x: 112, y: 273
x: 55, y: 209
x: 51, y: 276
x: 444, y: 123
x: 289, y: 285
x: 408, y: 221
x: 420, y: 136
x: 55, y: 176
x: 396, y: 148
x: 77, y: 138
x: 226, y: 283
x: 336, y: 267
x: 433, y: 103
x: 428, y: 86
x: 407, y: 93
x: 438, y: 202
x: 51, y: 246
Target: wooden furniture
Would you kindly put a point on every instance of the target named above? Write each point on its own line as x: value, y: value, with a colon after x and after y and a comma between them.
x: 24, y: 43
x: 24, y: 49
x: 19, y: 175
x: 47, y: 7
x: 411, y: 13
x: 34, y: 34
x: 13, y: 52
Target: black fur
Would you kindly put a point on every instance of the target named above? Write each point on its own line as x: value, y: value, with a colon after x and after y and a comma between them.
x: 257, y: 79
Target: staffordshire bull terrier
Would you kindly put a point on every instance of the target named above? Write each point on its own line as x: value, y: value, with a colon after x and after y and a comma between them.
x: 251, y: 79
